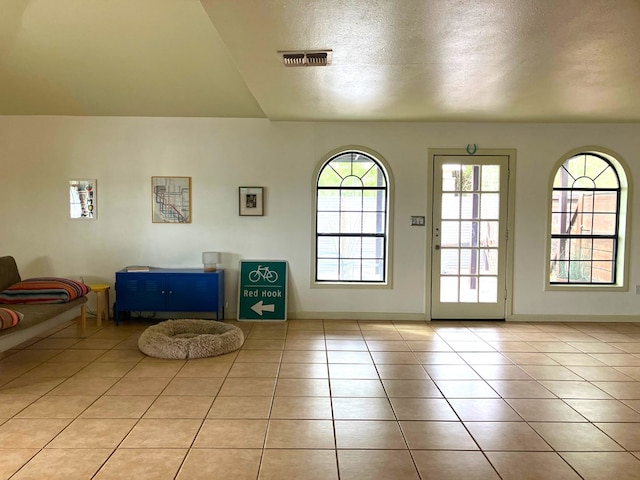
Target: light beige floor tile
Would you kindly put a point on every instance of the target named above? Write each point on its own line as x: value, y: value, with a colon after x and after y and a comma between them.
x: 84, y: 386
x: 179, y: 406
x: 12, y: 404
x: 259, y: 356
x: 362, y: 409
x: 604, y: 410
x: 106, y: 369
x: 263, y: 370
x: 142, y: 464
x: 618, y: 359
x: 531, y: 466
x: 376, y: 465
x: 422, y: 409
x: 365, y: 434
x: 93, y: 433
x: 299, y: 464
x: 353, y: 345
x: 58, y: 406
x: 302, y: 387
x: 545, y: 410
x: 78, y: 355
x: 304, y: 356
x: 529, y: 358
x: 303, y: 370
x: 155, y: 368
x: 574, y: 390
x: 505, y: 436
x: 484, y: 410
x: 194, y: 369
x: 626, y: 434
x: 423, y: 435
x: 595, y: 347
x: 575, y: 437
x: 51, y: 369
x: 520, y: 389
x: 633, y: 372
x: 439, y: 358
x: 621, y: 390
x: 348, y: 357
x: 14, y: 458
x: 357, y: 388
x: 351, y: 371
x: 64, y: 464
x: 247, y: 387
x: 604, y: 465
x: 399, y: 372
x: 207, y: 386
x: 162, y: 433
x: 304, y: 343
x: 310, y: 408
x: 394, y: 358
x: 553, y: 347
x: 466, y: 389
x: 454, y: 465
x: 576, y: 360
x: 432, y: 345
x: 220, y: 464
x: 485, y: 358
x: 411, y: 388
x: 241, y: 407
x: 139, y: 386
x: 124, y: 356
x: 387, y: 346
x: 551, y: 372
x: 602, y: 374
x: 119, y: 406
x: 30, y: 432
x: 308, y: 434
x: 267, y: 344
x: 501, y: 372
x: 231, y: 433
x: 451, y: 372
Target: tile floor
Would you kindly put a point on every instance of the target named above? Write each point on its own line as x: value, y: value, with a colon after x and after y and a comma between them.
x: 313, y: 399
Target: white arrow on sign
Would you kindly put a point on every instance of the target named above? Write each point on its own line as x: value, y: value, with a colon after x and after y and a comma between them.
x: 261, y: 307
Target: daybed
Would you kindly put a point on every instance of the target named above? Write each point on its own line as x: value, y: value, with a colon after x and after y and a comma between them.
x: 38, y: 317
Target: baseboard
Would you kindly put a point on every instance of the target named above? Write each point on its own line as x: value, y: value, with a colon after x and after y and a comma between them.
x: 357, y: 316
x: 577, y: 318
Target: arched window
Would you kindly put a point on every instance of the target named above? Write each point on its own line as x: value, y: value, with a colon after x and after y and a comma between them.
x: 352, y: 203
x: 587, y: 219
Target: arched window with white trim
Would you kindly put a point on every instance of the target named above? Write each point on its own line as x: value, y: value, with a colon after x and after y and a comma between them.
x: 352, y: 219
x: 588, y: 221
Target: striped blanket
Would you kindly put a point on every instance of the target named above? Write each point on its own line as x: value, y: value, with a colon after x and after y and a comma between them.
x: 43, y: 290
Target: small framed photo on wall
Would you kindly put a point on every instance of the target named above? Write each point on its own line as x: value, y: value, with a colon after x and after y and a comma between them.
x: 83, y: 198
x: 251, y: 201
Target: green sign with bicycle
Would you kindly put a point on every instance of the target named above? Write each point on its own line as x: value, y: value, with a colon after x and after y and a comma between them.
x: 262, y: 291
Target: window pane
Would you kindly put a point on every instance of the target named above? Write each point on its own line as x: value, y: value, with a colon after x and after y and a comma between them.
x: 468, y: 289
x: 351, y: 200
x: 469, y: 234
x: 448, y: 289
x: 488, y: 261
x: 372, y: 247
x: 580, y: 248
x: 327, y: 269
x: 602, y: 272
x: 489, y: 234
x: 604, y: 224
x: 488, y: 291
x: 450, y: 205
x: 450, y: 175
x: 603, y: 249
x: 328, y: 222
x: 372, y: 270
x: 328, y: 200
x: 606, y: 202
x: 450, y: 234
x: 329, y: 178
x: 373, y: 222
x: 490, y: 206
x: 469, y: 205
x: 350, y: 247
x: 469, y: 178
x: 328, y: 247
x: 374, y: 200
x: 351, y: 222
x: 579, y: 272
x: 449, y: 262
x: 491, y: 178
x: 374, y: 178
x: 350, y: 269
x: 469, y: 261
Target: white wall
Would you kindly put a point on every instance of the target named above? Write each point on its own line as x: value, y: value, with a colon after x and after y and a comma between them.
x: 38, y: 156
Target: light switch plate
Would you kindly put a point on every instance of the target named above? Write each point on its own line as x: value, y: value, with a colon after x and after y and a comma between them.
x: 417, y: 221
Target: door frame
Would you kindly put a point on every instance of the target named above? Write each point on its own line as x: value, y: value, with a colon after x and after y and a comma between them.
x: 510, y: 220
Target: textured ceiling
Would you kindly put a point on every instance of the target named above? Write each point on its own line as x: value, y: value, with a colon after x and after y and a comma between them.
x: 401, y: 60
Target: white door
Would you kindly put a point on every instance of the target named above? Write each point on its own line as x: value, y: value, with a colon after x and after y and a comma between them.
x: 469, y: 237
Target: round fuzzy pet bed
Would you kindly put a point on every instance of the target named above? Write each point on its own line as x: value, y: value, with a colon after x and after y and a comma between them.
x: 188, y: 338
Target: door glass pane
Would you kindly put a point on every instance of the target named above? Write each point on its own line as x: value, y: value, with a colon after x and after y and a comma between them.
x: 469, y: 205
x: 450, y: 205
x: 490, y: 178
x: 490, y: 206
x: 488, y: 261
x: 449, y: 289
x: 489, y: 234
x: 450, y: 234
x: 488, y: 292
x: 469, y: 234
x: 468, y: 289
x: 449, y: 264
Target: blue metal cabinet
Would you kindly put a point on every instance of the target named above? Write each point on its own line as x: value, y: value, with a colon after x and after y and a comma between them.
x: 169, y: 290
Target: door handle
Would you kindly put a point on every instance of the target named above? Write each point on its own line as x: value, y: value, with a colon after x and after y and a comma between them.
x: 437, y: 247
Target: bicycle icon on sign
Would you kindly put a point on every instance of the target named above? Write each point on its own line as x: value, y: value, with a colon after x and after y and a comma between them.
x: 263, y: 273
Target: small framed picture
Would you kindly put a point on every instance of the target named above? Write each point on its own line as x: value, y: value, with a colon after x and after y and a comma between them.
x: 83, y: 198
x: 171, y: 199
x: 251, y: 201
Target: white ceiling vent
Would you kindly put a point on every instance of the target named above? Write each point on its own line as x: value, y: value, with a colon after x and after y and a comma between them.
x: 313, y: 58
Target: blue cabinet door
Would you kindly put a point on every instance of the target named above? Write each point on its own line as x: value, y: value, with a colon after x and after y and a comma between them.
x: 140, y: 292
